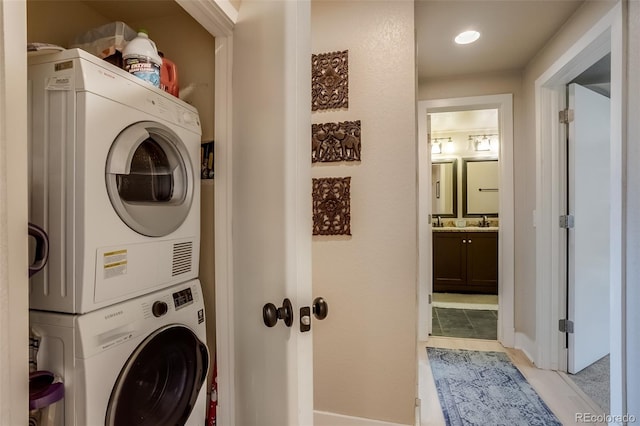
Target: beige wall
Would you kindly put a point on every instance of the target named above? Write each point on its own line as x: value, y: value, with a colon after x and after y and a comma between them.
x: 364, y: 352
x: 472, y: 85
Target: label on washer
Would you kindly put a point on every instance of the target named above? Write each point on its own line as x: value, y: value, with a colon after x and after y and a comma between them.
x: 59, y: 83
x: 117, y: 341
x: 115, y: 263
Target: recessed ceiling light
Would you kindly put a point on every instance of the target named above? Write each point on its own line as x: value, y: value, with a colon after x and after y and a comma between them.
x: 467, y: 37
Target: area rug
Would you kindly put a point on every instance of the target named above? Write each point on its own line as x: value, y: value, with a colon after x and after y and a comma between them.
x: 485, y: 388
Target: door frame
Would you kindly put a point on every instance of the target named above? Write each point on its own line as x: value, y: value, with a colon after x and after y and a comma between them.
x: 504, y: 104
x: 218, y: 17
x: 14, y: 284
x: 603, y: 37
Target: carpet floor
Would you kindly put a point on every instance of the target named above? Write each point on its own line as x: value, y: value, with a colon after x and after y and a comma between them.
x: 485, y: 388
x: 594, y: 381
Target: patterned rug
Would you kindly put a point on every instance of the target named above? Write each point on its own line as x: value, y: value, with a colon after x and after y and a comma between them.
x: 485, y: 388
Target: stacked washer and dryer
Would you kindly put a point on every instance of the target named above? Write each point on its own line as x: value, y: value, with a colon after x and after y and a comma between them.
x: 114, y: 180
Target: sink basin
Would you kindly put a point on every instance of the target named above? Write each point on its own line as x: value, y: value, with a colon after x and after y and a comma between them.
x: 465, y: 229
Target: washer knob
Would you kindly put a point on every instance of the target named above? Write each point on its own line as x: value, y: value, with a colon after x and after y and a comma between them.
x: 159, y: 309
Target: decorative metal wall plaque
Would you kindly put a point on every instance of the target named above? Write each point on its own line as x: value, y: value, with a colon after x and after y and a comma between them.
x: 332, y: 206
x: 330, y: 80
x: 335, y: 142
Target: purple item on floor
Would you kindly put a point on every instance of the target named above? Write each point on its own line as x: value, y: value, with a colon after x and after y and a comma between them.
x: 43, y: 391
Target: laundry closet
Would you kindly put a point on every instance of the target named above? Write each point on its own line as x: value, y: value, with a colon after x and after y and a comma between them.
x: 191, y: 48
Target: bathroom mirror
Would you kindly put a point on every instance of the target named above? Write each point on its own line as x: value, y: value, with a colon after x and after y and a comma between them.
x: 444, y: 192
x: 480, y: 186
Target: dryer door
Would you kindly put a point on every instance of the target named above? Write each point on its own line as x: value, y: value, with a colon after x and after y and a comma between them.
x: 150, y: 178
x: 161, y: 381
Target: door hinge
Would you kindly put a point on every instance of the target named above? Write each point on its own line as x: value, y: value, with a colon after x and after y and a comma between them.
x: 567, y: 221
x: 565, y: 326
x: 566, y: 116
x: 430, y: 299
x: 418, y: 402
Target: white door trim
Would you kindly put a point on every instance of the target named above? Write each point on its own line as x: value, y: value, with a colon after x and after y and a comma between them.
x: 605, y: 36
x: 504, y: 104
x: 217, y: 17
x: 225, y: 341
x: 14, y: 284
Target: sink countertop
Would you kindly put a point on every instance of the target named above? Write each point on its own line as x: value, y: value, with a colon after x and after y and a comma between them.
x: 465, y: 229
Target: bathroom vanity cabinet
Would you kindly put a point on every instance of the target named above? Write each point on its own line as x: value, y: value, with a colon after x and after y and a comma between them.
x: 465, y: 261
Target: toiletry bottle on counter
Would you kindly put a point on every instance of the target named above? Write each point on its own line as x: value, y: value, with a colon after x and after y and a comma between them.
x: 140, y: 58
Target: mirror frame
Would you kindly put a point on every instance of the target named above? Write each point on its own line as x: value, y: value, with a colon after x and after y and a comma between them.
x: 465, y: 212
x: 454, y: 172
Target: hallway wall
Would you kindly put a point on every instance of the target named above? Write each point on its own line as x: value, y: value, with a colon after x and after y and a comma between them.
x: 525, y: 158
x: 364, y: 352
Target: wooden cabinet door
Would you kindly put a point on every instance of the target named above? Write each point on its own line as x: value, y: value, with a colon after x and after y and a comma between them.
x: 482, y: 262
x: 449, y: 261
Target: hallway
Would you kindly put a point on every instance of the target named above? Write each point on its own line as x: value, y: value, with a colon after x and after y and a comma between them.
x: 560, y: 394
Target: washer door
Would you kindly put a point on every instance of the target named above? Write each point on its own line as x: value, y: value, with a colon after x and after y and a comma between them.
x: 150, y: 178
x: 160, y: 382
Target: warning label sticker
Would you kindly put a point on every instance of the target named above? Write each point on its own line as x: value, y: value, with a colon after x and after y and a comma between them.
x: 115, y: 263
x: 59, y: 83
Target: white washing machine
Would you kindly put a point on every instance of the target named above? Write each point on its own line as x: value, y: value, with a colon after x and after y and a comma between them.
x: 140, y: 362
x: 114, y: 172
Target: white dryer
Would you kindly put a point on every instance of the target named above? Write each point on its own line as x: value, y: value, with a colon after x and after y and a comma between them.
x: 140, y: 362
x: 114, y: 171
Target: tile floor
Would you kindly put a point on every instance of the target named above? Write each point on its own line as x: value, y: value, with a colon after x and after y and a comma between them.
x: 465, y: 323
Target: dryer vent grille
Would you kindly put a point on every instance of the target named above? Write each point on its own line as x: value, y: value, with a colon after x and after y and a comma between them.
x: 182, y: 254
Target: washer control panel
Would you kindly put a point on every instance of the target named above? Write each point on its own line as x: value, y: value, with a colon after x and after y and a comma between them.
x: 182, y: 298
x: 159, y: 309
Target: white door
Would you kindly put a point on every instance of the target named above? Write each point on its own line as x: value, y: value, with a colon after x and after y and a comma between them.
x: 588, y: 246
x: 271, y: 217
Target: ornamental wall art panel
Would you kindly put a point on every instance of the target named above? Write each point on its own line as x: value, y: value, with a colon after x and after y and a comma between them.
x: 330, y: 81
x: 332, y: 142
x: 332, y: 206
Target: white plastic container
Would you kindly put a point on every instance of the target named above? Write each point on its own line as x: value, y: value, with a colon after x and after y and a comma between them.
x: 140, y: 57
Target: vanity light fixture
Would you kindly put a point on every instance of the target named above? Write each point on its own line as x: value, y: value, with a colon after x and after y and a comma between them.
x: 436, y: 147
x: 449, y: 147
x: 482, y: 142
x: 441, y: 145
x: 467, y: 37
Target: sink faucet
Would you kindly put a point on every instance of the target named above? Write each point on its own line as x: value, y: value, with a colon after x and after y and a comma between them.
x: 485, y: 222
x: 438, y: 222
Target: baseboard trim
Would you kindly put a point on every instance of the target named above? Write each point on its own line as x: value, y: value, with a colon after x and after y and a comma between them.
x: 468, y: 306
x: 526, y: 345
x: 324, y: 418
